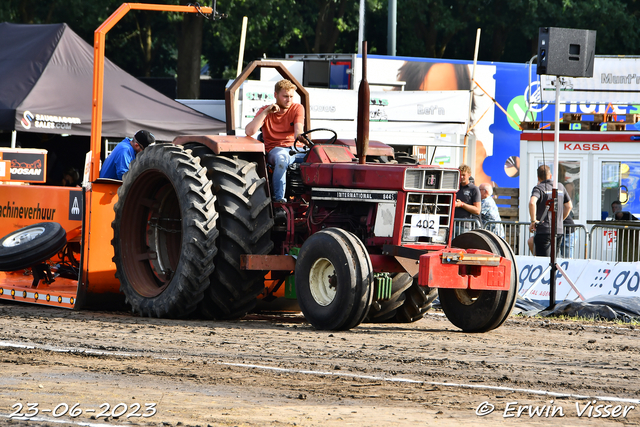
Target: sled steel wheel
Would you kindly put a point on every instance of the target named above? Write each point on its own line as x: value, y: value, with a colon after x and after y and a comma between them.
x: 334, y: 280
x: 31, y: 245
x: 478, y: 310
x: 506, y: 252
x: 164, y: 232
x: 245, y: 224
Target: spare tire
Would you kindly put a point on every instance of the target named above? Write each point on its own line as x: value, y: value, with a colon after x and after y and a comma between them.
x: 31, y: 245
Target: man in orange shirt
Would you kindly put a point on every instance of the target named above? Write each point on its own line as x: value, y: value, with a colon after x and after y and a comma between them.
x: 281, y: 123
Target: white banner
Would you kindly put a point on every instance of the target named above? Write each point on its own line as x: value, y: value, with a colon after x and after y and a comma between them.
x: 385, y: 107
x: 615, y: 80
x: 332, y: 104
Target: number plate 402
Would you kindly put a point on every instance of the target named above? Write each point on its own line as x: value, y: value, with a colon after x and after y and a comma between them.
x: 424, y: 225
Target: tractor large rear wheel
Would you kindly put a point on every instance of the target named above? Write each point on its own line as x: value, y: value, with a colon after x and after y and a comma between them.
x: 334, y: 280
x: 480, y: 310
x: 245, y: 224
x: 164, y: 232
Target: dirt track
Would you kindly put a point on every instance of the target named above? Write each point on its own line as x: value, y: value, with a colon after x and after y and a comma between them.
x: 277, y: 370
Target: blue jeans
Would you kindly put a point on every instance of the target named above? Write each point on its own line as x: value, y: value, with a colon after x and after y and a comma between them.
x: 280, y: 159
x: 569, y: 242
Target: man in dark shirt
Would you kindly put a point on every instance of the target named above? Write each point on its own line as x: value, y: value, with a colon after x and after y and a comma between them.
x: 541, y: 216
x: 619, y: 214
x: 468, y: 199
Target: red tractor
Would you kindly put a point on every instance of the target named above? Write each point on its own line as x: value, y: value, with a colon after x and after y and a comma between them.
x: 365, y: 236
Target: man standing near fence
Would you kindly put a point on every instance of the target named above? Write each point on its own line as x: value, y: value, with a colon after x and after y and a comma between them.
x: 467, y: 197
x: 467, y: 203
x: 489, y: 210
x: 541, y: 215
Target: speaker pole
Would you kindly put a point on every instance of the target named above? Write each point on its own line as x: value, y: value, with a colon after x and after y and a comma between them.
x: 554, y: 198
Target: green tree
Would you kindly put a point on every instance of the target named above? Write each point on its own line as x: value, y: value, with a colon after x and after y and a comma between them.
x: 161, y: 44
x: 279, y: 27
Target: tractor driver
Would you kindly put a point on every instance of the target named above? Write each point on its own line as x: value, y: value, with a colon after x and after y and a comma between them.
x: 281, y: 124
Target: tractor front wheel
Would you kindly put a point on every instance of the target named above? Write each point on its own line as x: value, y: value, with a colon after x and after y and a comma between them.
x: 418, y: 300
x: 334, y: 280
x: 408, y: 303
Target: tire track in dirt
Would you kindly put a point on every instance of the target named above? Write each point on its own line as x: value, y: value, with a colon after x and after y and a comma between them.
x: 208, y: 363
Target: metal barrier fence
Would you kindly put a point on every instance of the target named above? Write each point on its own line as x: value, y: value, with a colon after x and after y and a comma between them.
x: 463, y: 225
x: 516, y: 234
x: 575, y: 244
x: 619, y: 243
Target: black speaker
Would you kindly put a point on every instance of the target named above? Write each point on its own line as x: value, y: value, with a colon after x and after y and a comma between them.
x: 566, y: 52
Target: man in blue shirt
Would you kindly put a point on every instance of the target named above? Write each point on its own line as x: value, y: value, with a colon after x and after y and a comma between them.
x: 117, y: 163
x: 489, y: 210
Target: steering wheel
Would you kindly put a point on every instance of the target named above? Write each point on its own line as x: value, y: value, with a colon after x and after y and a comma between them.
x: 309, y: 143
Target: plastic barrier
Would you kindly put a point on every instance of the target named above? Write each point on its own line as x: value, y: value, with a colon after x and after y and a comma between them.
x: 591, y: 278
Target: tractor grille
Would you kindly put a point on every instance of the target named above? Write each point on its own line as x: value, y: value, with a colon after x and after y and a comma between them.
x: 437, y: 207
x: 430, y: 179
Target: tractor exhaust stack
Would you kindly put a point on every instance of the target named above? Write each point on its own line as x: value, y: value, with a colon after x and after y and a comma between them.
x: 362, y: 135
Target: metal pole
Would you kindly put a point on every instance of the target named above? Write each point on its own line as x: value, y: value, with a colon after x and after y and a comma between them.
x: 243, y: 38
x: 361, y: 26
x: 391, y: 27
x: 471, y: 89
x: 554, y: 198
x: 99, y: 40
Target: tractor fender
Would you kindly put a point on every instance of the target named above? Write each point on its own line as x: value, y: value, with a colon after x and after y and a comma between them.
x: 219, y: 144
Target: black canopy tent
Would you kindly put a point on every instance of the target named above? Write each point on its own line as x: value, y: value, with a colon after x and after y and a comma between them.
x: 46, y: 74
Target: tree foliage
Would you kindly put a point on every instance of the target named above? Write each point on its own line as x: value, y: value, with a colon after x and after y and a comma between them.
x: 147, y: 43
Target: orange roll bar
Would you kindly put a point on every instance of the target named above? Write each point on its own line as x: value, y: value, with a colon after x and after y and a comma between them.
x: 98, y: 69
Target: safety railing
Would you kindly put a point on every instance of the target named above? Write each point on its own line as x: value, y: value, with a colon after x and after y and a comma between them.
x: 516, y: 234
x: 461, y: 225
x: 618, y: 243
x: 575, y: 244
